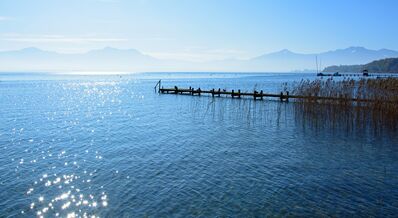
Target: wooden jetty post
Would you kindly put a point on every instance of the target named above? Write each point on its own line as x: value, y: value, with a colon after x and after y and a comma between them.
x: 257, y: 95
x: 287, y: 96
x: 283, y: 97
x: 158, y: 84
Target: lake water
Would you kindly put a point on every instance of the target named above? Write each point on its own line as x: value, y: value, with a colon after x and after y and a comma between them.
x: 109, y: 146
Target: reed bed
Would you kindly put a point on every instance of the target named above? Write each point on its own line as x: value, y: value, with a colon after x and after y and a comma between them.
x: 361, y: 103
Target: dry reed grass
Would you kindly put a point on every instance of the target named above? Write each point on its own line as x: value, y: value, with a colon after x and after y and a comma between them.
x: 361, y: 103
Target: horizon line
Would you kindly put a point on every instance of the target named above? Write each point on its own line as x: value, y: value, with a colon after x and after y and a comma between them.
x: 157, y: 56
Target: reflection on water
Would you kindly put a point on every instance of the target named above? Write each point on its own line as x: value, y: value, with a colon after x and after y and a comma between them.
x: 66, y: 195
x: 59, y: 177
x: 111, y: 147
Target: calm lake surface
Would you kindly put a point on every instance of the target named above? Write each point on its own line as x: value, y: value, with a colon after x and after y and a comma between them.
x: 110, y: 146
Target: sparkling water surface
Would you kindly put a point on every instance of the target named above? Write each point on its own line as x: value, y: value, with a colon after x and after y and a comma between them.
x: 109, y: 146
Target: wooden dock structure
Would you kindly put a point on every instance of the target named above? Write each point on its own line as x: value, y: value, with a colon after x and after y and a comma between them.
x: 259, y: 95
x: 218, y: 93
x: 282, y: 96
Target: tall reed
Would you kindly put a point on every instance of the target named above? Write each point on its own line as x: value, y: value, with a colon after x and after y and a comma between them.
x: 360, y: 102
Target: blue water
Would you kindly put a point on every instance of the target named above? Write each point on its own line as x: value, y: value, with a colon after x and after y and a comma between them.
x: 109, y: 146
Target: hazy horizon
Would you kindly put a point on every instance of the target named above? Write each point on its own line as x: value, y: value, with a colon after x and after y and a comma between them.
x: 198, y: 30
x: 165, y: 58
x: 110, y: 59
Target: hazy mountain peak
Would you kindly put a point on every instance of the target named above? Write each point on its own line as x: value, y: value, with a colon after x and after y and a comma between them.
x: 384, y: 50
x: 356, y: 48
x: 29, y: 51
x: 33, y: 50
x: 285, y: 51
x: 282, y: 52
x: 351, y: 49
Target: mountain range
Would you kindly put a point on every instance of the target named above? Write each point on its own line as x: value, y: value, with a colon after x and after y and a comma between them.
x: 131, y: 60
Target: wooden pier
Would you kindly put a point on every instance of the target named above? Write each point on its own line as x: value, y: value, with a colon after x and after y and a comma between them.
x: 258, y: 95
x: 218, y: 93
x: 282, y: 96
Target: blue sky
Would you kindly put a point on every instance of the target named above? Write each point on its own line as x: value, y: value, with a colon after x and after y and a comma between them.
x: 198, y: 29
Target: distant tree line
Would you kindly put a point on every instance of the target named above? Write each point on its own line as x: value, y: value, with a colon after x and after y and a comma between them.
x: 388, y: 65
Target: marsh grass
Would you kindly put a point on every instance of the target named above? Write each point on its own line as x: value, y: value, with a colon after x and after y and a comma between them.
x: 375, y: 103
x: 375, y: 112
x: 244, y: 110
